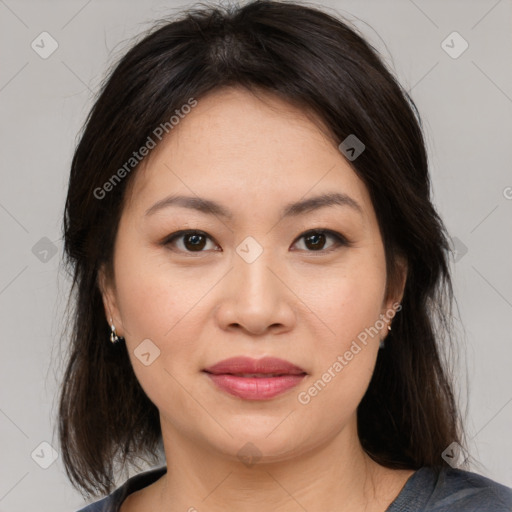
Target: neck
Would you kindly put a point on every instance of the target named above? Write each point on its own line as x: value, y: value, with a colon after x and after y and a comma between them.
x: 337, y: 472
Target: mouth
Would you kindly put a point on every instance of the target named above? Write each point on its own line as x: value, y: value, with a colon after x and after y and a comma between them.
x: 254, y: 375
x: 255, y: 379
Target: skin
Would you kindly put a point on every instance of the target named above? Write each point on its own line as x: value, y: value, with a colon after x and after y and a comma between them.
x: 253, y: 155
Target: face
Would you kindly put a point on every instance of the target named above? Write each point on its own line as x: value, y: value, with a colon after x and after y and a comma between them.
x: 254, y: 278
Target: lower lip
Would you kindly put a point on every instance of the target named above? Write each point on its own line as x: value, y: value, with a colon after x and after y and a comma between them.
x: 255, y: 388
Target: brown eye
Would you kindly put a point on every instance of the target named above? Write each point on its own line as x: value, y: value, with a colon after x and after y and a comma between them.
x: 194, y: 242
x: 191, y: 241
x: 315, y: 240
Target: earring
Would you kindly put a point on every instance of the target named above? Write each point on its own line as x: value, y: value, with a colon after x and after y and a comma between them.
x: 382, y: 341
x: 114, y: 338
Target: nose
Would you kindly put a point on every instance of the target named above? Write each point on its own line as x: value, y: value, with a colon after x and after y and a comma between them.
x: 256, y: 297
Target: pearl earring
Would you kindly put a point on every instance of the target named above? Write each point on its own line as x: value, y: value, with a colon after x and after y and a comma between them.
x: 114, y: 338
x: 382, y: 341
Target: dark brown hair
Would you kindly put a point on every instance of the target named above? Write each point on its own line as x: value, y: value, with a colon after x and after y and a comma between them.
x: 315, y: 61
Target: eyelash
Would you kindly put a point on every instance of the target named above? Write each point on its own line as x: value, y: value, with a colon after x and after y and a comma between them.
x: 340, y: 240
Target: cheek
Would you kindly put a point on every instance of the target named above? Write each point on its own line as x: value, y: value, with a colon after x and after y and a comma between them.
x: 151, y: 299
x: 154, y: 305
x: 144, y: 302
x: 350, y: 301
x: 345, y: 358
x: 165, y: 305
x: 349, y: 304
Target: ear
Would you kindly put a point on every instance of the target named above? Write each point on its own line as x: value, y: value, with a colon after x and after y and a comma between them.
x: 394, y: 294
x: 108, y: 293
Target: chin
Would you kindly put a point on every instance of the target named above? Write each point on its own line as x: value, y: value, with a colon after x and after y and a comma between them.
x: 261, y: 444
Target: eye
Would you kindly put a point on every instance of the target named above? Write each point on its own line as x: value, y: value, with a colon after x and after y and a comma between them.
x: 195, y: 240
x: 315, y: 239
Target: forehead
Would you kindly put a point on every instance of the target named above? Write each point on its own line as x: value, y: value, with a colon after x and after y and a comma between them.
x: 234, y: 144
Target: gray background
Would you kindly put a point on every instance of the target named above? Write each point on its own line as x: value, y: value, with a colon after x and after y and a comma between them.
x: 466, y: 104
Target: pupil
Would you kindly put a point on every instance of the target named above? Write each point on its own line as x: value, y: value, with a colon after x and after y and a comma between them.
x: 196, y: 243
x: 316, y: 237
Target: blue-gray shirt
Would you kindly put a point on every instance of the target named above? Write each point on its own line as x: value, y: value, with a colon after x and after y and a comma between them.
x: 449, y: 490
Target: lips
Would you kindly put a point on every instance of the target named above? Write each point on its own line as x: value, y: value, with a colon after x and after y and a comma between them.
x: 267, y: 366
x: 255, y: 379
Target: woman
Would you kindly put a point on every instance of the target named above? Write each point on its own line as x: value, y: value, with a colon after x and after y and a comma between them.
x: 261, y: 279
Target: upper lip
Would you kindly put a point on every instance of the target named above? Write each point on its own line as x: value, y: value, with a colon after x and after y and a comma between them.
x: 236, y: 365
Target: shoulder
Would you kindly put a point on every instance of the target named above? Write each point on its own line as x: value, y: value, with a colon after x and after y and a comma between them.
x: 110, y: 503
x: 113, y: 501
x: 458, y: 490
x: 107, y: 504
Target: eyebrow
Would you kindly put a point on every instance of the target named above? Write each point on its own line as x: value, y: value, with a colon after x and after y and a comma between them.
x: 210, y: 207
